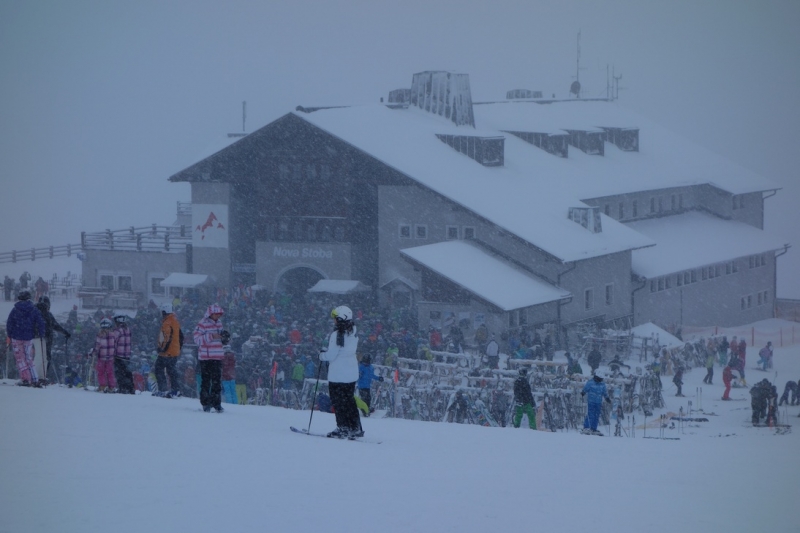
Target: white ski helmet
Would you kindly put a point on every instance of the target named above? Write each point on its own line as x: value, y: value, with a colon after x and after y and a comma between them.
x: 342, y: 313
x: 166, y: 308
x: 106, y: 323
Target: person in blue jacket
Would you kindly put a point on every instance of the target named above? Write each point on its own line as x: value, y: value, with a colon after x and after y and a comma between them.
x: 596, y: 391
x: 366, y: 375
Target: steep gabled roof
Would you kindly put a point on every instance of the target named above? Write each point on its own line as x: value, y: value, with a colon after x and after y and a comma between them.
x: 518, y: 197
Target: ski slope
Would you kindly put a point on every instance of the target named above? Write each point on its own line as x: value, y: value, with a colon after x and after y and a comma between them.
x: 79, y: 461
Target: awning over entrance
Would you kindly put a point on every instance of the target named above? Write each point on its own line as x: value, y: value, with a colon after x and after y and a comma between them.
x: 486, y: 276
x: 339, y: 286
x: 186, y: 281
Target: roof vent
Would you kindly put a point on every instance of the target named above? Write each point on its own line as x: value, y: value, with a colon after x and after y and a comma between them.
x: 445, y: 94
x: 552, y: 143
x: 517, y: 94
x: 626, y: 139
x: 588, y: 217
x: 488, y: 151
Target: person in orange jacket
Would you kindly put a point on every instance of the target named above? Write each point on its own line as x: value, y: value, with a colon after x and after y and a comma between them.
x: 169, y: 348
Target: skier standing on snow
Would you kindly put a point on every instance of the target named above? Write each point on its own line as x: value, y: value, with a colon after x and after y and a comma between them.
x: 524, y: 404
x: 366, y: 375
x: 678, y: 379
x: 710, y: 358
x: 104, y: 348
x: 727, y: 379
x: 343, y: 374
x: 122, y: 356
x: 765, y: 356
x: 208, y: 336
x: 51, y: 325
x: 169, y: 348
x: 24, y: 323
x: 596, y: 392
x: 742, y: 358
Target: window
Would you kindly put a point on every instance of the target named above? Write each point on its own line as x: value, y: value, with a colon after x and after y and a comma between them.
x: 694, y: 276
x: 660, y: 204
x: 635, y: 208
x: 452, y: 232
x: 421, y: 231
x: 652, y: 205
x: 405, y: 231
x: 744, y: 303
x: 749, y: 301
x: 687, y: 278
x: 717, y: 271
x: 621, y: 210
x: 680, y: 201
x: 469, y: 232
x: 766, y: 296
x: 588, y: 299
x: 125, y: 283
x: 155, y: 286
x: 610, y: 294
x: 674, y: 202
x: 667, y: 282
x: 661, y: 284
x: 607, y: 210
x: 680, y: 280
x: 763, y: 259
x: 759, y: 296
x: 107, y: 282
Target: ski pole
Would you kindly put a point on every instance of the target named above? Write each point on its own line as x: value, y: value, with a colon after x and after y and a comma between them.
x: 314, y: 401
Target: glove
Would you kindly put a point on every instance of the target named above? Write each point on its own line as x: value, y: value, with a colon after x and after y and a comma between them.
x: 380, y: 378
x: 583, y: 393
x: 608, y: 399
x: 225, y: 336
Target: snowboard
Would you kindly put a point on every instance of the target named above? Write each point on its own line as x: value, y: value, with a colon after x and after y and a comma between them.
x: 39, y: 358
x: 312, y: 434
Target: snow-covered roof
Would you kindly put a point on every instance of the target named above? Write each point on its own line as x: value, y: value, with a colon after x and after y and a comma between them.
x: 664, y: 159
x: 338, y: 286
x: 665, y: 339
x: 494, y: 280
x: 520, y: 197
x: 695, y: 239
x: 187, y: 281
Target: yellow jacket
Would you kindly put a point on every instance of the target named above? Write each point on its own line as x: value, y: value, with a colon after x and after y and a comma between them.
x: 169, y: 343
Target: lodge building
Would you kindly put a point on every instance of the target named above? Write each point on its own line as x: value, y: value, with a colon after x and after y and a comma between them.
x: 516, y: 213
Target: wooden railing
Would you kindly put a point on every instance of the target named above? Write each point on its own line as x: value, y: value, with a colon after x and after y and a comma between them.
x: 33, y: 254
x: 144, y: 239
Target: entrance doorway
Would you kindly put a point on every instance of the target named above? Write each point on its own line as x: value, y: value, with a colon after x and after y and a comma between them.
x: 297, y: 281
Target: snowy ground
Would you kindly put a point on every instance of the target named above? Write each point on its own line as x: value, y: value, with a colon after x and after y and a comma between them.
x: 78, y: 461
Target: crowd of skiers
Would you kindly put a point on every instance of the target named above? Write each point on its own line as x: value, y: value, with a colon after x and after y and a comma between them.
x: 294, y: 333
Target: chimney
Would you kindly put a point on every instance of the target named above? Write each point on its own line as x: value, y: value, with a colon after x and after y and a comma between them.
x: 446, y: 94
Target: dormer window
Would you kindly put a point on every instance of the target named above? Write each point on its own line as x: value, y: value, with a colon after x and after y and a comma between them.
x: 588, y: 217
x: 488, y: 151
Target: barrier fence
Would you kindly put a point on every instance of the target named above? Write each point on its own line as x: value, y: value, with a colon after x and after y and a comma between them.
x: 780, y: 334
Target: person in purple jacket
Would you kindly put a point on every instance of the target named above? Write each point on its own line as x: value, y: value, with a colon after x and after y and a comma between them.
x: 24, y: 323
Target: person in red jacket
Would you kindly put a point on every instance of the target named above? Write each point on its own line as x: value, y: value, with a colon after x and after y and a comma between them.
x: 229, y: 375
x: 727, y: 377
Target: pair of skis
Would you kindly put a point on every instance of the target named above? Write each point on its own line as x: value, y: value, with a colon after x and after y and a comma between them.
x: 312, y: 434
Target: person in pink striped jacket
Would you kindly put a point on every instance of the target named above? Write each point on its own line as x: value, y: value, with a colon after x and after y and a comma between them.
x: 210, y: 338
x: 104, y: 349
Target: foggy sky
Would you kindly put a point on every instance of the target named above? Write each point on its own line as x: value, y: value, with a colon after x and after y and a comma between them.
x: 101, y: 101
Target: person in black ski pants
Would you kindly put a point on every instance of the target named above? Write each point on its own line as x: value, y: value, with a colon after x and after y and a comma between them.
x: 794, y: 388
x: 343, y: 374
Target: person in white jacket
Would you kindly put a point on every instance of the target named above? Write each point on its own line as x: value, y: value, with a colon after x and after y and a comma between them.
x: 343, y: 374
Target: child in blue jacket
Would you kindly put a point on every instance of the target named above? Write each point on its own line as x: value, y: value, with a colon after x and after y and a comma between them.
x: 366, y: 375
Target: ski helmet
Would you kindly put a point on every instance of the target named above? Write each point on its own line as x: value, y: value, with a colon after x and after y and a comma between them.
x: 24, y: 295
x: 342, y: 313
x: 120, y: 319
x: 105, y: 324
x: 166, y: 308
